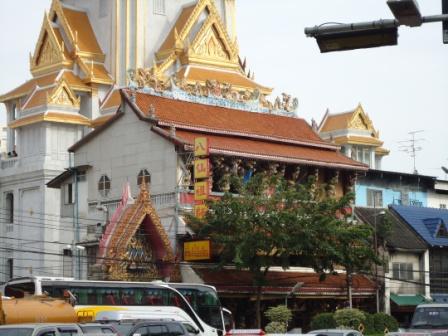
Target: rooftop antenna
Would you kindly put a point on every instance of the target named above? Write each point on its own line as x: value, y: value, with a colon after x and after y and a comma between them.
x: 411, y: 146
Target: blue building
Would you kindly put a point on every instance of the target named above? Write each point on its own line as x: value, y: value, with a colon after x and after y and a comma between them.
x: 431, y: 225
x: 379, y: 188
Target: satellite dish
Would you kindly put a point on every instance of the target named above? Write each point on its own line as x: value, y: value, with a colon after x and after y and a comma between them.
x: 445, y: 169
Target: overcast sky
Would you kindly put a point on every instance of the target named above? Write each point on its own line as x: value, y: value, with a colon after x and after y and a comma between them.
x: 403, y: 88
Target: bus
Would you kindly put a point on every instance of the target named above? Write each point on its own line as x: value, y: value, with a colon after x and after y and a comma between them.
x: 199, y: 301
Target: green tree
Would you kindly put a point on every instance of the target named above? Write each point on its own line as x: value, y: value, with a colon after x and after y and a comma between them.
x: 272, y: 222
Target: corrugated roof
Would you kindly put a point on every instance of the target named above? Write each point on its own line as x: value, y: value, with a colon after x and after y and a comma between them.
x: 232, y: 280
x: 401, y: 236
x: 419, y: 217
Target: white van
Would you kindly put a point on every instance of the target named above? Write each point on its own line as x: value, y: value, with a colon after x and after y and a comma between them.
x: 149, y: 313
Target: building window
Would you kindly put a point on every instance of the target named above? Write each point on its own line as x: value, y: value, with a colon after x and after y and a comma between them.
x: 374, y: 198
x: 81, y: 176
x: 104, y: 185
x: 143, y: 175
x: 159, y: 7
x: 402, y: 271
x: 9, y: 206
x: 69, y: 194
x: 67, y: 263
x: 10, y: 266
x: 442, y: 206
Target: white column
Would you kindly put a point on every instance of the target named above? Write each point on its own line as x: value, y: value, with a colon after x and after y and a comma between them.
x: 387, y: 277
x: 427, y: 289
x: 372, y: 158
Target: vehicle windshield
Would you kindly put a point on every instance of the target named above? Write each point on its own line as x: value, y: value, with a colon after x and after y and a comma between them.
x: 205, y: 303
x: 16, y: 332
x: 430, y: 318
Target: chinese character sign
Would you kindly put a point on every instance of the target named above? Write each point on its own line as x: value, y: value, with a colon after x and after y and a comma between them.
x: 200, y: 210
x: 201, y: 168
x: 200, y: 190
x: 200, y: 146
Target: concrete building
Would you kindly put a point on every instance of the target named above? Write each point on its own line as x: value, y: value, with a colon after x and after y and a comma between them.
x: 85, y: 48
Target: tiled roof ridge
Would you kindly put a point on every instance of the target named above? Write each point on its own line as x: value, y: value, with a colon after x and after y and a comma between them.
x: 312, y: 143
x: 309, y: 143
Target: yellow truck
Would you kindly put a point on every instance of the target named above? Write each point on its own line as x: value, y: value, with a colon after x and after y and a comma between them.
x: 35, y: 309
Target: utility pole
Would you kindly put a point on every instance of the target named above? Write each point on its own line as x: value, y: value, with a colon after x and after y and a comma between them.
x: 411, y: 147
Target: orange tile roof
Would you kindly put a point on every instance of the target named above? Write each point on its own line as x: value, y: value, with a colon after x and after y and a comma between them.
x: 100, y: 72
x: 28, y: 86
x: 179, y: 26
x: 79, y: 22
x: 75, y: 82
x: 38, y: 98
x: 231, y: 77
x: 244, y: 147
x: 337, y: 121
x: 226, y: 120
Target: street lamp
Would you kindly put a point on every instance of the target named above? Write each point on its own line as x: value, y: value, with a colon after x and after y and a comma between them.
x: 339, y: 37
x: 293, y: 290
x: 375, y: 215
x: 360, y: 35
x: 406, y: 12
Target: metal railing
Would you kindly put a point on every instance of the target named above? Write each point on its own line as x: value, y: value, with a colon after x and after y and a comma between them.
x: 8, y: 163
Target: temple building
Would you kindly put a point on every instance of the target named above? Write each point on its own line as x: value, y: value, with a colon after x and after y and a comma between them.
x: 127, y: 87
x: 354, y: 132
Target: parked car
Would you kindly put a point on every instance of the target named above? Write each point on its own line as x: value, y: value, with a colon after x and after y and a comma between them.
x: 335, y: 332
x: 148, y: 328
x: 98, y: 328
x: 45, y: 329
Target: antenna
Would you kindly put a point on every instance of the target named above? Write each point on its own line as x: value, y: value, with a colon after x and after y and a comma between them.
x: 411, y: 147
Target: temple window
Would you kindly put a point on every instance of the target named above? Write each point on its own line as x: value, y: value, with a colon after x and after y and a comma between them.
x: 9, y: 206
x: 143, y: 175
x: 104, y: 185
x: 159, y: 7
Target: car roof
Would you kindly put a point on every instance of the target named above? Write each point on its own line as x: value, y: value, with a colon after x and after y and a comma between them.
x: 332, y: 330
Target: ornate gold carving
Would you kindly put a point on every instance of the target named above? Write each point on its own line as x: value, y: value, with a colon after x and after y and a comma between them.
x: 210, y: 46
x: 129, y: 255
x: 63, y: 95
x: 358, y: 123
x: 48, y: 55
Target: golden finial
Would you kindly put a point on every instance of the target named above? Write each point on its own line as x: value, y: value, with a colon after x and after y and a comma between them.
x: 76, y: 40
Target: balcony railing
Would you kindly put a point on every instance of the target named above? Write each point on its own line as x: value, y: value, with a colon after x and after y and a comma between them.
x: 9, y: 163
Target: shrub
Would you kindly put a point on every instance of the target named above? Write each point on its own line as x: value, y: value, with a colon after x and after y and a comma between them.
x: 350, y: 318
x: 278, y: 314
x: 323, y: 321
x: 275, y: 328
x: 369, y: 325
x: 382, y: 321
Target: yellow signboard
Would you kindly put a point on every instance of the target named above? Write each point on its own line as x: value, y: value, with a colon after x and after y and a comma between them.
x: 200, y: 190
x: 197, y: 250
x: 200, y: 210
x: 201, y: 168
x: 200, y: 146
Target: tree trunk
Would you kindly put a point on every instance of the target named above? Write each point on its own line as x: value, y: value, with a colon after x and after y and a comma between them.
x: 258, y: 308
